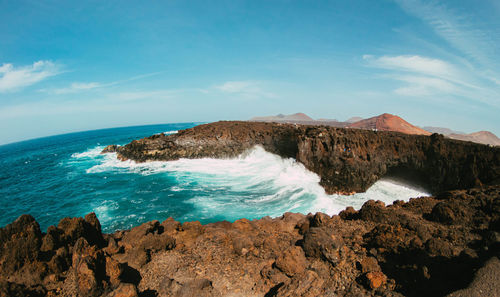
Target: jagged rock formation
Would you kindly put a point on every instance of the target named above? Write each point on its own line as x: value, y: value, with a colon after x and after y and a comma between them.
x: 429, y: 246
x: 347, y: 160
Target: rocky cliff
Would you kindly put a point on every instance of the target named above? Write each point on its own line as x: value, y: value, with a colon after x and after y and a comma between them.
x: 430, y: 246
x: 347, y: 160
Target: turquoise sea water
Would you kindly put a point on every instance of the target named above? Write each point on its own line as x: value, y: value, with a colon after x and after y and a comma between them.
x: 65, y: 175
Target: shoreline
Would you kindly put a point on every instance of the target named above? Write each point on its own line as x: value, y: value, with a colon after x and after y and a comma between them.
x: 376, y: 250
x: 428, y: 246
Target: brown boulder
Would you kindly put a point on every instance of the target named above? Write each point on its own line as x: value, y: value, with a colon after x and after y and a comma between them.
x: 375, y: 279
x: 369, y: 264
x: 348, y: 214
x: 320, y: 242
x: 292, y: 261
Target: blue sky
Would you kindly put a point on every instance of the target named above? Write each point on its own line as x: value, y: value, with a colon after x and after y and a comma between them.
x: 79, y: 65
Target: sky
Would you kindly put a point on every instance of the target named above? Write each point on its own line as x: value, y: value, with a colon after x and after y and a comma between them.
x: 79, y: 65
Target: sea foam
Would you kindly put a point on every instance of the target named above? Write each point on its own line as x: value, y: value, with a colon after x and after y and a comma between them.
x: 254, y: 184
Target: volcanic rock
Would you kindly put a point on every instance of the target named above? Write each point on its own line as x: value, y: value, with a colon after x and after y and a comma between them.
x: 405, y: 249
x: 347, y: 160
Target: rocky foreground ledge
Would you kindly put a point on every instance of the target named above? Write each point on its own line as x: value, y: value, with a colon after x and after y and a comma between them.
x: 431, y: 246
x: 347, y: 160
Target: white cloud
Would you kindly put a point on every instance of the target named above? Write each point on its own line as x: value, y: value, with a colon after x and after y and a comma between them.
x: 413, y: 63
x: 244, y: 88
x: 75, y: 87
x: 12, y: 78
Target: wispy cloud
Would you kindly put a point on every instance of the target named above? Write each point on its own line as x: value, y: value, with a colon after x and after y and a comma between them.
x: 424, y: 76
x: 425, y: 67
x: 252, y: 89
x: 77, y: 87
x: 424, y: 86
x: 463, y: 31
x: 15, y: 78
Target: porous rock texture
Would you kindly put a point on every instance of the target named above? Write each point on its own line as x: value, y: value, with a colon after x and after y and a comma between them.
x: 430, y: 246
x: 347, y: 160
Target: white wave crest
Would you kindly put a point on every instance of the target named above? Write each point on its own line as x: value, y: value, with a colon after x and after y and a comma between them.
x: 90, y: 153
x: 168, y: 132
x: 257, y: 183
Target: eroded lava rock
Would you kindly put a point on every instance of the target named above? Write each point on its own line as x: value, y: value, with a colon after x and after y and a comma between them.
x: 347, y: 160
x: 405, y: 249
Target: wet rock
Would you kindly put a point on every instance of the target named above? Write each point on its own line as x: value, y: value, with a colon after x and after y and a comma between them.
x: 110, y: 149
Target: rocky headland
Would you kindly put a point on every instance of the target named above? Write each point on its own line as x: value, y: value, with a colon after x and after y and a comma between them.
x: 347, y: 160
x: 447, y: 244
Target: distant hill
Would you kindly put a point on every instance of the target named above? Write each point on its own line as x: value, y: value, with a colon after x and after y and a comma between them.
x: 383, y: 122
x: 301, y: 117
x: 388, y: 122
x: 484, y: 137
x: 441, y: 130
x: 327, y: 120
x: 354, y: 119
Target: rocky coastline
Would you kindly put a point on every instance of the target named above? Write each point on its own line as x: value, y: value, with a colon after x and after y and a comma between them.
x: 347, y: 160
x: 444, y: 245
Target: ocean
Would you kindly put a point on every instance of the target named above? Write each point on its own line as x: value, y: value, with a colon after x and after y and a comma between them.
x: 67, y: 176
